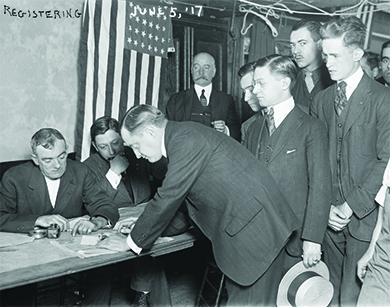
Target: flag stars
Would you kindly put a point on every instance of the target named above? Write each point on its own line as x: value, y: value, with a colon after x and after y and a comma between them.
x: 142, y: 45
x: 136, y: 31
x: 157, y: 27
x: 149, y: 47
x: 162, y: 51
x: 165, y: 17
x: 156, y: 38
x: 163, y: 40
x: 131, y: 4
x: 137, y: 19
x: 129, y: 40
x: 163, y: 29
x: 143, y: 33
x: 130, y: 28
x: 150, y: 36
x: 144, y: 22
x: 151, y: 24
x: 155, y: 49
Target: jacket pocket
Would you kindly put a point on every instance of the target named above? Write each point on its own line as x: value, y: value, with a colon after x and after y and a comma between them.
x: 243, y: 215
x: 365, y: 140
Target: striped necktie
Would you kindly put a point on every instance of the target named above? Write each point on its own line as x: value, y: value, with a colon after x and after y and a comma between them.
x: 341, y: 97
x: 203, y: 99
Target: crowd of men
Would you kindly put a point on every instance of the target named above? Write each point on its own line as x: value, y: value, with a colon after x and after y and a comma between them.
x: 307, y: 182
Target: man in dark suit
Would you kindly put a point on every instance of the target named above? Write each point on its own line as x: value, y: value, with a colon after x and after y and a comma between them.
x: 52, y: 191
x: 126, y: 180
x: 229, y: 195
x: 356, y: 112
x: 385, y: 64
x: 246, y: 82
x: 203, y: 103
x: 306, y: 50
x: 293, y: 147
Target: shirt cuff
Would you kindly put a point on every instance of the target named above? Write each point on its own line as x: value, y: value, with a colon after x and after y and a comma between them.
x: 380, y: 197
x: 132, y: 245
x: 113, y: 178
x: 227, y: 131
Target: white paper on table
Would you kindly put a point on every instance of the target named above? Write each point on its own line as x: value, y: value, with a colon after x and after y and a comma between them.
x: 10, y: 239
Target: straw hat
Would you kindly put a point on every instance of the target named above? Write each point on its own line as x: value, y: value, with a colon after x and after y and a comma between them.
x: 305, y: 287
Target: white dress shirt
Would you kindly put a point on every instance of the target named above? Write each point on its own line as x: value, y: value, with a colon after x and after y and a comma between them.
x: 207, y: 91
x: 52, y: 187
x: 281, y: 110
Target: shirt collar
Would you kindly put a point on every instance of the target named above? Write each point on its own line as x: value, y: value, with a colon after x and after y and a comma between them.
x: 352, y: 82
x: 163, y: 149
x: 207, y: 90
x: 281, y: 110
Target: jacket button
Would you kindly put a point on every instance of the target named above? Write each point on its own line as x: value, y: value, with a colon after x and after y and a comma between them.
x: 339, y: 125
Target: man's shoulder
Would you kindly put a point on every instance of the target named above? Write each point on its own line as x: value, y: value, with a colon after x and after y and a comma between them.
x: 21, y: 171
x: 92, y: 160
x: 76, y: 167
x: 180, y: 95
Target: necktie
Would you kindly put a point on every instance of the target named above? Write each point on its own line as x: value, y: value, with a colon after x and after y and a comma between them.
x: 203, y: 99
x: 341, y: 98
x: 270, y: 121
x: 309, y: 81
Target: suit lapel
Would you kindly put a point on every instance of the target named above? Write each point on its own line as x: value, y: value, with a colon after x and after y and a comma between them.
x: 356, y: 106
x: 37, y: 195
x: 290, y: 125
x: 67, y: 188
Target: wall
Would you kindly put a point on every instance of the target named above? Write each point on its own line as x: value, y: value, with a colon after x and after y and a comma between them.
x: 39, y: 42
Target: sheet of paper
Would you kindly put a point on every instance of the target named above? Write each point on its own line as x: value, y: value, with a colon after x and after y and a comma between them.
x: 10, y: 239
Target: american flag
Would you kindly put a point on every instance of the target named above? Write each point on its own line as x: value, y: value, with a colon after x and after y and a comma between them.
x: 113, y: 78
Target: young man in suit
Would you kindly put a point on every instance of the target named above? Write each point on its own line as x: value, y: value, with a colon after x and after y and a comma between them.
x: 292, y: 145
x: 356, y: 112
x: 228, y: 193
x: 51, y: 189
x: 246, y: 82
x: 306, y: 50
x: 203, y: 103
x: 385, y: 64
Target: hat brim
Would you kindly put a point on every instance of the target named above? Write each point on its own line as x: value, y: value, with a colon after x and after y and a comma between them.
x: 282, y: 298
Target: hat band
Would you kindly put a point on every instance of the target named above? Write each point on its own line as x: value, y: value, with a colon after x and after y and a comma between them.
x: 296, y: 284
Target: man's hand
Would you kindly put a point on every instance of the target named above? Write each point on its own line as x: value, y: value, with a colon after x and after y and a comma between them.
x: 114, y: 242
x: 85, y: 227
x: 339, y: 217
x: 125, y: 226
x: 46, y: 220
x: 119, y: 164
x: 362, y: 264
x: 219, y: 125
x: 311, y: 253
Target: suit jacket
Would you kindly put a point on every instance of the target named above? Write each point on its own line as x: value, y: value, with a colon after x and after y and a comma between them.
x: 301, y: 94
x: 365, y: 149
x: 300, y: 165
x: 229, y: 195
x: 246, y: 124
x: 381, y: 80
x: 24, y: 196
x: 138, y: 173
x: 222, y: 107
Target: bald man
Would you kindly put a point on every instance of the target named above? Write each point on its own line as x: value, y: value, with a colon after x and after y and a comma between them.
x: 203, y: 103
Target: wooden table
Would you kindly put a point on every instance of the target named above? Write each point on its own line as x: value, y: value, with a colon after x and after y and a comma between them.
x: 49, y: 263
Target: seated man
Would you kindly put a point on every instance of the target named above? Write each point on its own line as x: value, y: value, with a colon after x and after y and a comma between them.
x: 126, y: 180
x: 52, y: 191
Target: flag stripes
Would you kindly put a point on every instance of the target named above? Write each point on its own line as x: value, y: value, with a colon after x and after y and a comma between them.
x: 111, y: 78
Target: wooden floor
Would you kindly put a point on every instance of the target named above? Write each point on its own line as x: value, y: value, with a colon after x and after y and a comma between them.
x: 184, y: 269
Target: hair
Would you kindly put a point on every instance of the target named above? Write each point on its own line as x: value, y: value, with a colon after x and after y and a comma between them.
x: 351, y: 29
x: 314, y: 27
x: 141, y: 115
x: 246, y: 69
x: 372, y: 59
x: 45, y: 137
x: 102, y: 125
x: 385, y: 45
x: 203, y: 53
x: 279, y: 65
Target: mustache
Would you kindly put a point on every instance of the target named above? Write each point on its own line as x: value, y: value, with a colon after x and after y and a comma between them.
x: 201, y: 77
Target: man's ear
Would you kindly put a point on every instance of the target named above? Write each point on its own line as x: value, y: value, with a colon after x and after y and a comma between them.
x: 150, y: 130
x: 286, y: 83
x: 358, y: 54
x: 375, y: 72
x: 35, y: 159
